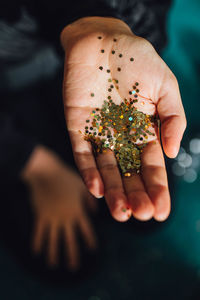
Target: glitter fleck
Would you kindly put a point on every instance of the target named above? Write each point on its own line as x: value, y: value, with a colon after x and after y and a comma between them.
x: 127, y: 174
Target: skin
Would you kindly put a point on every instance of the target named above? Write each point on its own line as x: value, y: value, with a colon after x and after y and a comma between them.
x: 60, y: 201
x: 145, y: 195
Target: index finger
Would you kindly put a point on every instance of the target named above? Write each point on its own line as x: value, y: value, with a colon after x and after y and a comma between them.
x: 84, y: 158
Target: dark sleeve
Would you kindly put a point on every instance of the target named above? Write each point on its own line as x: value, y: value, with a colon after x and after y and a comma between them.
x: 145, y: 17
x: 15, y: 147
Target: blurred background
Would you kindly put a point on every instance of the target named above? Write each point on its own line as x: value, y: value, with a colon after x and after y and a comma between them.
x: 134, y: 261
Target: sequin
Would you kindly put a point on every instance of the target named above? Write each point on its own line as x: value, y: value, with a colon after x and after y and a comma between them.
x: 127, y: 174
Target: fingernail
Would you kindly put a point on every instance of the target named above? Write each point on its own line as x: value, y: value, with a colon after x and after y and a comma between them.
x: 174, y: 152
x: 99, y: 196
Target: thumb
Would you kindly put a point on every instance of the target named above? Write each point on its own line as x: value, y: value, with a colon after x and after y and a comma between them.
x: 172, y: 116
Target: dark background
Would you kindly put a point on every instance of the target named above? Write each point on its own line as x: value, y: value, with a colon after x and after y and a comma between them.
x: 135, y: 261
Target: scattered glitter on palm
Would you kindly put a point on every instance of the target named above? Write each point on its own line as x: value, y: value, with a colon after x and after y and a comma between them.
x: 120, y: 128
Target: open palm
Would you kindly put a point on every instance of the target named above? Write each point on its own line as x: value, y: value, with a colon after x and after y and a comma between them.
x: 90, y: 63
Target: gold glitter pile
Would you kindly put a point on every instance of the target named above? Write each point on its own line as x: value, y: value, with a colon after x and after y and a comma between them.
x: 119, y: 127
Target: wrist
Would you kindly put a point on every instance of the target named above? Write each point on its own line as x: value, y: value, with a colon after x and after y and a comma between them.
x: 42, y: 163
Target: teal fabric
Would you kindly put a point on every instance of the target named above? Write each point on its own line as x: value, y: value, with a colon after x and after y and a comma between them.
x: 183, y: 57
x: 182, y: 54
x: 164, y: 263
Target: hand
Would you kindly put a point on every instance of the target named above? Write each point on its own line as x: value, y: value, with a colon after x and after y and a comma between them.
x: 57, y: 196
x: 146, y: 195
